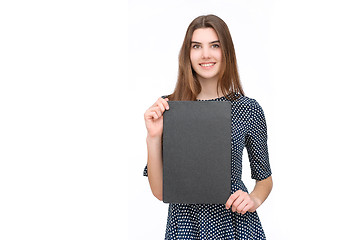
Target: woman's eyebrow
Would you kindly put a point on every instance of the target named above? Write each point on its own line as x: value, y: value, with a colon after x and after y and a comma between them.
x: 216, y: 41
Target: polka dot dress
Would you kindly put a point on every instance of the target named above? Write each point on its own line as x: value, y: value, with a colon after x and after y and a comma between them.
x: 214, y: 221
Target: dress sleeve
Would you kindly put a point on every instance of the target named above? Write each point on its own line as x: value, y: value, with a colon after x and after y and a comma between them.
x: 145, y: 173
x: 256, y: 144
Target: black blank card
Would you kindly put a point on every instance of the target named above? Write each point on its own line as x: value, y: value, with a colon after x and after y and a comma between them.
x: 197, y: 152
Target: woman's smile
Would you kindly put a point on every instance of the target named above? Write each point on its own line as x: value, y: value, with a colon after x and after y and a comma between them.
x: 207, y: 65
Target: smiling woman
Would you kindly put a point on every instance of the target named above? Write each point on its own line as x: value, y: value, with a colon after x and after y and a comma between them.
x: 208, y: 71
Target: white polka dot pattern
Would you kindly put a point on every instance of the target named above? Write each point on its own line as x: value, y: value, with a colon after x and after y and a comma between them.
x: 214, y: 221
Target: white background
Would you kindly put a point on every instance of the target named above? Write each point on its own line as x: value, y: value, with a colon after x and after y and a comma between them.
x: 77, y: 76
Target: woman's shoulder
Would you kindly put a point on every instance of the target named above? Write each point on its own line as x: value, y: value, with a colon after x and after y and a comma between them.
x: 244, y: 100
x: 246, y: 103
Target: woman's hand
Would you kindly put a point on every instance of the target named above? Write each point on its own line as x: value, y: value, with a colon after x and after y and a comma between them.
x: 242, y: 202
x: 154, y: 117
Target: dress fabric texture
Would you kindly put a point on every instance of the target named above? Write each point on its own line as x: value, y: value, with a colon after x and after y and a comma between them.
x: 214, y: 221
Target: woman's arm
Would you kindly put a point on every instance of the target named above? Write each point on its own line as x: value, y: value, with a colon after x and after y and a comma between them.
x: 262, y: 190
x: 256, y: 145
x: 154, y: 125
x: 155, y: 166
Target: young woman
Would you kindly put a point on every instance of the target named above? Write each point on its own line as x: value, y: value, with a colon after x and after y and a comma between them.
x: 208, y: 72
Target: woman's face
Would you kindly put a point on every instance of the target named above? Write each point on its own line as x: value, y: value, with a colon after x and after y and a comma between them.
x: 205, y: 53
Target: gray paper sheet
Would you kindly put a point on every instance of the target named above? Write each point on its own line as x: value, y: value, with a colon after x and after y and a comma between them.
x: 197, y: 152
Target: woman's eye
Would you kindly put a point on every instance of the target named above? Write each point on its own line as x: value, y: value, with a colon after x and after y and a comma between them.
x: 196, y: 46
x: 216, y: 46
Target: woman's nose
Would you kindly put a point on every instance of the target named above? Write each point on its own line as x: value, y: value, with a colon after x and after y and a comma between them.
x: 205, y: 52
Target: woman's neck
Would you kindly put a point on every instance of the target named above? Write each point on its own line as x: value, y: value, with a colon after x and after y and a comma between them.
x: 208, y: 89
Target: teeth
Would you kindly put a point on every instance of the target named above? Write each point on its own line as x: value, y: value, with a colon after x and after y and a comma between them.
x: 207, y: 64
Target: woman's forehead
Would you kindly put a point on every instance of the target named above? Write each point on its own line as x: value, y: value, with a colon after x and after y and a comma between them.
x: 204, y: 35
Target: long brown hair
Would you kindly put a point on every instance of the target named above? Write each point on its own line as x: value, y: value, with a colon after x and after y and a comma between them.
x: 187, y: 86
